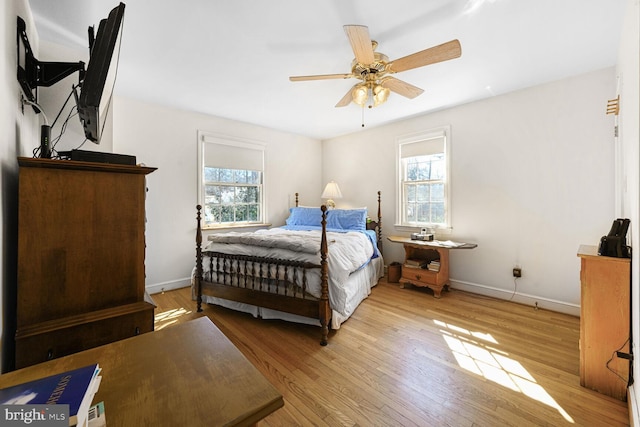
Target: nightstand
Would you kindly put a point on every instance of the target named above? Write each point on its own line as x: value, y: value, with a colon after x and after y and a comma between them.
x: 426, y: 263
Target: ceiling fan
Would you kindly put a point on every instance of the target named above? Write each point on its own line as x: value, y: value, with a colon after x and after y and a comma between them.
x: 374, y: 69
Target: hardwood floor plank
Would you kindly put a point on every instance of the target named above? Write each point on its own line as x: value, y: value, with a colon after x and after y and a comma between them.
x: 407, y: 359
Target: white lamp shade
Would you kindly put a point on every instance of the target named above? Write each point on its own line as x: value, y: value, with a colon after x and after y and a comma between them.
x: 332, y: 191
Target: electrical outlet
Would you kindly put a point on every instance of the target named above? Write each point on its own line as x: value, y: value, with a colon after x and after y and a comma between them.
x: 517, y: 272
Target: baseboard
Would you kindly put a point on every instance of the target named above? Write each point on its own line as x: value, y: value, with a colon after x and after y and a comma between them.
x: 168, y: 286
x: 632, y: 403
x: 531, y: 300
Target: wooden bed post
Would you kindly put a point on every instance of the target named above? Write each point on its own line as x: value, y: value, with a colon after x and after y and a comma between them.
x: 323, y: 304
x: 199, y: 258
x: 296, y: 200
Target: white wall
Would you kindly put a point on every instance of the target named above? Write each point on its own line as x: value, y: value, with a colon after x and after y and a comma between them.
x: 629, y: 166
x: 532, y: 179
x: 167, y: 139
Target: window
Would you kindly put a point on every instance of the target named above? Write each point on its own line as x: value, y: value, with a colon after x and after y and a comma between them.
x: 423, y: 184
x: 231, y: 181
x: 232, y: 195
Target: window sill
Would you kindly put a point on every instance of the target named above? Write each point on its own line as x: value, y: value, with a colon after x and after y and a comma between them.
x: 235, y: 227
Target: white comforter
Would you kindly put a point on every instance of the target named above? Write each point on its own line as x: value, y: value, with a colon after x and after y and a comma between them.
x: 347, y: 252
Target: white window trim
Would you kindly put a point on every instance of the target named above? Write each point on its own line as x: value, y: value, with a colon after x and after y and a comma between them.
x: 416, y: 137
x: 215, y: 138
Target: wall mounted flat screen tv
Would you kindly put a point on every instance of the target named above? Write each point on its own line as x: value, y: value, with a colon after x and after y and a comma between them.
x: 97, y: 87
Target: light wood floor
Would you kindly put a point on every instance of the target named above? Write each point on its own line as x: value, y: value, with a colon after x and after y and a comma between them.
x: 407, y: 359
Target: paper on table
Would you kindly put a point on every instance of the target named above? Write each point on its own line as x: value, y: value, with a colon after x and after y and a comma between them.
x: 448, y: 243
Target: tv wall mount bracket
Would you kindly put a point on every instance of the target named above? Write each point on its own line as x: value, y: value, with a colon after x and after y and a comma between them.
x: 33, y: 73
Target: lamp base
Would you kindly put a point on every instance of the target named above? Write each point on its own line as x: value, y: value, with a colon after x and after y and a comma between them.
x: 331, y: 204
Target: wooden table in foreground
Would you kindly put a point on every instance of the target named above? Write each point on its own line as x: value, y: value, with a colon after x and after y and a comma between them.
x: 187, y: 374
x: 427, y: 251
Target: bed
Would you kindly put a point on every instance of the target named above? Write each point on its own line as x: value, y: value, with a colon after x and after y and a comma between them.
x: 316, y: 269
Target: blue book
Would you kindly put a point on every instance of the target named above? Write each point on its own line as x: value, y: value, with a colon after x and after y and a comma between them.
x: 74, y: 388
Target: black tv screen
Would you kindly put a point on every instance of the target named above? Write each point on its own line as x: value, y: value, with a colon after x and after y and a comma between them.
x: 97, y: 87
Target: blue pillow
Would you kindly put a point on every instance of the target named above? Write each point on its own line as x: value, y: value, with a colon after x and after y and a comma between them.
x: 347, y: 219
x: 305, y: 216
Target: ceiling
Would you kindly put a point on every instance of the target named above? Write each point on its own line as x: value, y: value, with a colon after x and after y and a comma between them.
x: 232, y: 59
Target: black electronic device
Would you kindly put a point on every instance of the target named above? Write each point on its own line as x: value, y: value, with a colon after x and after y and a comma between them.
x: 98, y: 157
x: 45, y: 142
x: 97, y: 87
x: 95, y: 84
x: 614, y: 244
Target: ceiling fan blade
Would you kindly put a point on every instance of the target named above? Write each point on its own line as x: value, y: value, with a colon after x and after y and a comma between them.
x: 443, y: 52
x: 360, y: 43
x: 346, y: 99
x: 401, y: 88
x: 320, y: 77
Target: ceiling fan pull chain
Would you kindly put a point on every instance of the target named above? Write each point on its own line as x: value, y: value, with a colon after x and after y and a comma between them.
x: 362, y: 115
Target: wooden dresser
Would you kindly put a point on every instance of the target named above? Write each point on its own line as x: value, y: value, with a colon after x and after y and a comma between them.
x: 604, y: 322
x: 81, y: 249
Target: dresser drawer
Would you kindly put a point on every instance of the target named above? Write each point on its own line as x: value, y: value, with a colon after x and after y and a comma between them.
x: 49, y: 340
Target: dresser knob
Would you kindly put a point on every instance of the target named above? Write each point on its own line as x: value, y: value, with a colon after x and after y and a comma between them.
x: 50, y: 354
x: 137, y: 330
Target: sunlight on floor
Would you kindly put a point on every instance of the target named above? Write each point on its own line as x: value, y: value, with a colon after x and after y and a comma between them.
x: 477, y: 353
x: 169, y: 317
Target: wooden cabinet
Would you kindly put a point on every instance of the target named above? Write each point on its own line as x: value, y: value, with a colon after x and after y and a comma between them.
x: 81, y: 249
x: 604, y: 322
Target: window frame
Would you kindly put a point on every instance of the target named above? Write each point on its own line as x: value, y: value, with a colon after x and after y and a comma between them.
x: 443, y: 132
x: 205, y: 138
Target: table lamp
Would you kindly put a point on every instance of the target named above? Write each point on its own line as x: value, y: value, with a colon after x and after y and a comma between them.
x: 331, y: 191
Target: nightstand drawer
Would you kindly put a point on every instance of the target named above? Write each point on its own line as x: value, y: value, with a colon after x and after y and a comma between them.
x: 418, y: 274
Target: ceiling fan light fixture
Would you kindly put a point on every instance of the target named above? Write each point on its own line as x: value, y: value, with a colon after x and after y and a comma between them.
x: 380, y: 95
x: 360, y: 94
x: 373, y: 68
